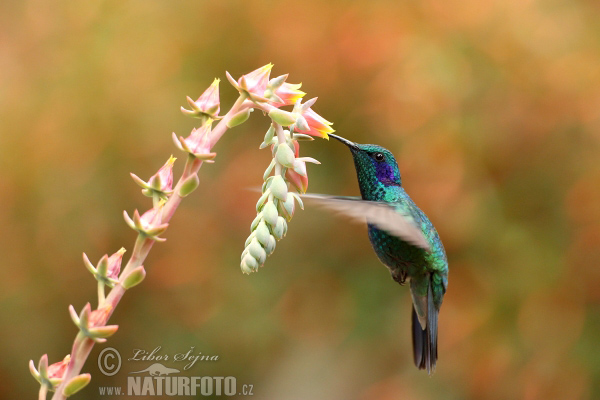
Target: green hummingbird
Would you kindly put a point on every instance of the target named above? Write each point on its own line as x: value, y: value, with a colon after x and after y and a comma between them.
x: 403, y: 238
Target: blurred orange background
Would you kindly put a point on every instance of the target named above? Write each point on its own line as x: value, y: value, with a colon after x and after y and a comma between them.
x: 492, y: 109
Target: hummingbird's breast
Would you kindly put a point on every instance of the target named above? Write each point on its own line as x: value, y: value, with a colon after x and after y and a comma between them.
x: 402, y: 258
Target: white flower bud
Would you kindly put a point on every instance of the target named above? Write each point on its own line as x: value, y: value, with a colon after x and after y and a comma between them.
x: 256, y: 251
x: 248, y: 264
x: 270, y: 245
x: 270, y: 213
x: 285, y: 155
x: 280, y: 228
x: 262, y: 233
x: 279, y: 188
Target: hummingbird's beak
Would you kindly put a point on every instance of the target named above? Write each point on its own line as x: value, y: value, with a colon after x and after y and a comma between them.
x: 348, y: 143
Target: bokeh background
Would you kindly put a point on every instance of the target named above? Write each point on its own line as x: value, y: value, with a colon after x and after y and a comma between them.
x: 491, y: 107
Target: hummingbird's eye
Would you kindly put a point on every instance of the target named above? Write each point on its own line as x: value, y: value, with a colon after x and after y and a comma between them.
x: 379, y: 156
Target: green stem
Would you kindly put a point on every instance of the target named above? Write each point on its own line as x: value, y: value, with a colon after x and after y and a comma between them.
x: 101, y: 296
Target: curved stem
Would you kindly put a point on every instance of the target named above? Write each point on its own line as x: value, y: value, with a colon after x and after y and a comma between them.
x: 82, y: 346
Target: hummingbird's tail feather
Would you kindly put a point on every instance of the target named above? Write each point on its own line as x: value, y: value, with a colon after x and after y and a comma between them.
x: 425, y: 340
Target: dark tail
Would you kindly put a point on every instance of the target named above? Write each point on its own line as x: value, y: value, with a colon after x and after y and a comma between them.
x: 425, y: 340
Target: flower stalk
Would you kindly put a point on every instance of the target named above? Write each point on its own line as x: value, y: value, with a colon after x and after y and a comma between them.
x: 275, y: 208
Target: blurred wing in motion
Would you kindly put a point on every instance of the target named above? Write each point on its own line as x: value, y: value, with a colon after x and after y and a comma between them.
x: 382, y: 215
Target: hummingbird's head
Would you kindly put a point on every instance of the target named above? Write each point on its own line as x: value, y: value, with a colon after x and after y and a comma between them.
x: 376, y: 166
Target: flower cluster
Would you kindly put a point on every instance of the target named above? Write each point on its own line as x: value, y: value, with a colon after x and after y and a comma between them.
x: 286, y: 176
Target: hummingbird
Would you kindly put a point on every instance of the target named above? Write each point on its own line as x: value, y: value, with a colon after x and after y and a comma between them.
x: 402, y: 237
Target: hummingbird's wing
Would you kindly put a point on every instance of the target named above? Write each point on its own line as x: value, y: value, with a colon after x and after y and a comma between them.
x: 382, y: 215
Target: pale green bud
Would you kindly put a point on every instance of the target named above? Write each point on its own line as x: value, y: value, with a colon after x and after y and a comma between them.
x: 256, y: 251
x: 239, y: 118
x: 269, y: 170
x: 283, y: 118
x: 270, y: 245
x: 250, y: 261
x: 280, y: 228
x: 279, y: 188
x: 252, y: 235
x: 285, y: 155
x: 267, y: 183
x: 289, y: 206
x: 262, y: 199
x: 76, y: 384
x: 262, y: 233
x: 269, y: 138
x: 269, y: 135
x: 134, y: 278
x: 189, y: 185
x: 248, y: 264
x: 270, y: 213
x: 256, y: 221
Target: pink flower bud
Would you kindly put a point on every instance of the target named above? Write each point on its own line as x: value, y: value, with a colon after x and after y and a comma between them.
x: 257, y: 80
x: 99, y: 317
x: 287, y: 94
x: 207, y: 105
x: 150, y: 223
x: 296, y: 148
x: 198, y: 141
x: 114, y: 264
x: 58, y: 369
x: 253, y: 84
x: 91, y: 323
x: 209, y: 101
x: 163, y: 179
x: 152, y: 218
x: 317, y: 125
x: 300, y: 182
x: 309, y: 122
